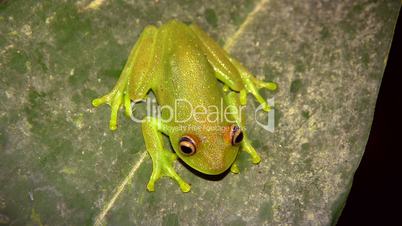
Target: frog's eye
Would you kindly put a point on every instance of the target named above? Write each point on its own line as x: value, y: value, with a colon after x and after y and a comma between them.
x: 236, y: 134
x: 187, y: 145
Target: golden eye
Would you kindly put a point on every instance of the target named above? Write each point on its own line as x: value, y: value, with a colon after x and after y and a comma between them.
x: 187, y: 145
x: 236, y: 134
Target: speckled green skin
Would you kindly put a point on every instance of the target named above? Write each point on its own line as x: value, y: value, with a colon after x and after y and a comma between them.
x: 181, y: 63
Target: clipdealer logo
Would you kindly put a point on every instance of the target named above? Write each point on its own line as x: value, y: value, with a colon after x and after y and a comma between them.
x: 183, y: 111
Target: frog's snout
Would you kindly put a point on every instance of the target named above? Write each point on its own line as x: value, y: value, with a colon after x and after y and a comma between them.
x: 219, y: 164
x: 216, y: 170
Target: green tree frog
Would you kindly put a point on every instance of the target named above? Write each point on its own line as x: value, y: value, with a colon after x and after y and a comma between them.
x: 181, y: 62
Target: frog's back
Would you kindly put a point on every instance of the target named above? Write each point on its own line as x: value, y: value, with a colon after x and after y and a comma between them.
x: 186, y: 76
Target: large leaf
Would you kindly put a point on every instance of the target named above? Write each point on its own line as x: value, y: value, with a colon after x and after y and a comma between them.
x: 59, y: 162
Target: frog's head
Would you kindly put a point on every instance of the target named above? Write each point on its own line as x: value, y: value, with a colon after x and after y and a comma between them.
x: 209, y: 151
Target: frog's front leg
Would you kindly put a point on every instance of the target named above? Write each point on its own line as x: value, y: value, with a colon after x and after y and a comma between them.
x: 134, y: 81
x: 232, y: 99
x: 162, y: 159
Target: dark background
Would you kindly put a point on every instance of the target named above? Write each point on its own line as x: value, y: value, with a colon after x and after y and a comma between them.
x: 375, y: 195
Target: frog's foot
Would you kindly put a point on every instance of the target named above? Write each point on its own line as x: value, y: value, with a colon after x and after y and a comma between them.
x: 235, y: 168
x: 253, y: 85
x: 163, y: 166
x: 247, y: 147
x: 255, y: 157
x: 115, y: 99
x: 271, y: 86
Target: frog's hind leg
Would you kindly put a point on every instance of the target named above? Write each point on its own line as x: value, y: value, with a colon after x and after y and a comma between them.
x: 231, y: 72
x: 232, y: 99
x: 134, y: 82
x: 224, y: 69
x: 252, y: 85
x: 162, y: 159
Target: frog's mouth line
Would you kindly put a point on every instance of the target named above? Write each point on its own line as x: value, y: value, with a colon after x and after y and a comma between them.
x: 211, y: 177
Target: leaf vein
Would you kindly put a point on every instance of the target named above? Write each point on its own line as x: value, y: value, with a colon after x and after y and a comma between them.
x: 99, y: 219
x: 232, y: 40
